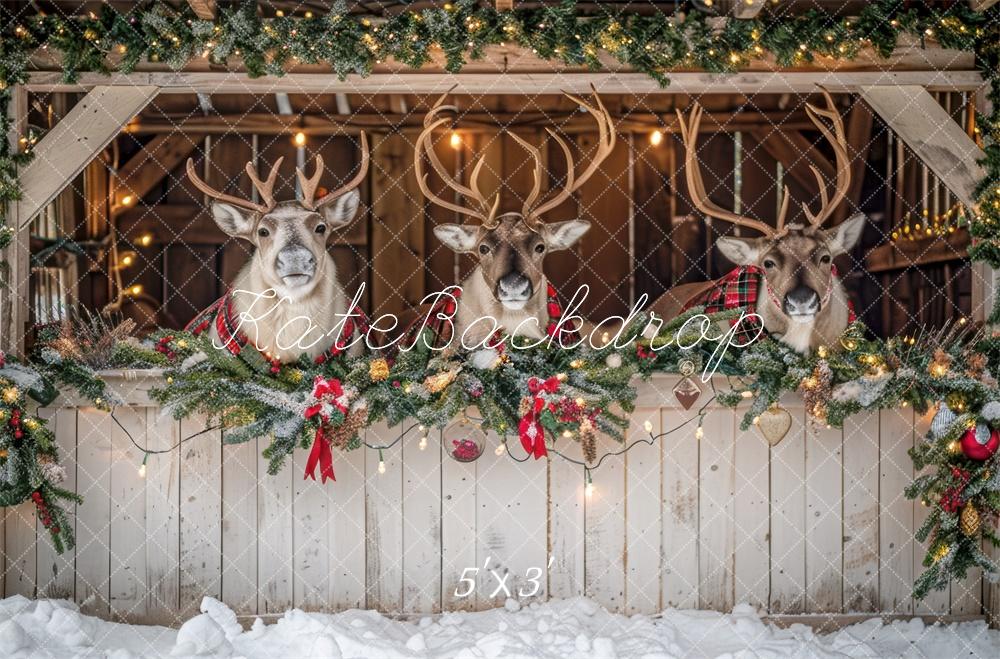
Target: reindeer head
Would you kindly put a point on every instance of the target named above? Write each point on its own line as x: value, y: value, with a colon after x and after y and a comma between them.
x: 797, y: 260
x: 289, y: 236
x: 511, y: 246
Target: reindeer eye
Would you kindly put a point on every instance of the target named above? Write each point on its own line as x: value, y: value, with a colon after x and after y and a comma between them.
x: 539, y: 248
x: 321, y: 229
x: 769, y: 263
x: 484, y: 249
x: 263, y: 233
x: 825, y: 258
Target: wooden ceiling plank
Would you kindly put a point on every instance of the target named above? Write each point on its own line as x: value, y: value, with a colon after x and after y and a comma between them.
x: 746, y: 9
x: 803, y: 82
x: 791, y: 148
x: 933, y: 136
x: 73, y: 142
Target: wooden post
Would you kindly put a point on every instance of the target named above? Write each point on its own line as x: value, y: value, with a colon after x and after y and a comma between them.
x: 14, y: 268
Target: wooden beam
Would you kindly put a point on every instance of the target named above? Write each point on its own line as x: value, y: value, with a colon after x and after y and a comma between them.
x: 270, y: 124
x: 982, y: 5
x: 203, y: 9
x: 14, y: 259
x: 74, y: 141
x: 933, y: 136
x: 149, y: 166
x: 504, y: 5
x: 745, y: 9
x: 801, y: 82
x: 903, y: 254
x: 795, y: 153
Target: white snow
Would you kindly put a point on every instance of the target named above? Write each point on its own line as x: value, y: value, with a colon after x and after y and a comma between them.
x: 568, y: 628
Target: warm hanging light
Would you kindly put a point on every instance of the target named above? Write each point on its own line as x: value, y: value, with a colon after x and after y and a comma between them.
x: 590, y: 485
x: 142, y: 467
x: 455, y: 140
x: 656, y: 138
x: 300, y: 139
x: 127, y: 200
x: 423, y: 443
x: 381, y: 462
x: 146, y: 239
x: 648, y: 425
x: 136, y: 289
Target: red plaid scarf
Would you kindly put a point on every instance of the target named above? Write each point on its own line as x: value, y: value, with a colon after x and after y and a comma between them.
x: 738, y: 289
x: 221, y: 314
x: 442, y: 329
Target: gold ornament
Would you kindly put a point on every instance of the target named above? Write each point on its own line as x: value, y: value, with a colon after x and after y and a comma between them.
x: 940, y: 364
x: 955, y: 401
x: 437, y: 382
x: 31, y: 424
x: 3, y: 415
x: 3, y: 453
x: 294, y: 375
x: 774, y: 423
x: 378, y: 369
x: 10, y: 395
x: 970, y: 520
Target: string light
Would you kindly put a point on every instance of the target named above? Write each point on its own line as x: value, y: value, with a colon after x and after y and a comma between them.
x: 699, y: 432
x: 136, y: 289
x: 648, y: 425
x: 381, y: 463
x: 590, y: 485
x: 501, y: 448
x: 939, y: 225
x: 146, y: 239
x: 656, y: 138
x: 142, y: 467
x: 423, y: 443
x: 299, y: 140
x: 455, y: 140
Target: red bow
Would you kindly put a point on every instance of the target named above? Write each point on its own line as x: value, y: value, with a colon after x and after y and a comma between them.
x: 550, y: 385
x: 329, y: 394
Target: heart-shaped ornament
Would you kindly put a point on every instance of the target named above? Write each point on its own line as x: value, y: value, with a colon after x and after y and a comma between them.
x: 774, y: 423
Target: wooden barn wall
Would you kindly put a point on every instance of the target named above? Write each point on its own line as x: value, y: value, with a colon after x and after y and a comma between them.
x: 815, y: 525
x: 644, y: 238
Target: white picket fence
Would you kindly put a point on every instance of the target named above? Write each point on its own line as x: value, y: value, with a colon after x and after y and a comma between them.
x: 817, y: 524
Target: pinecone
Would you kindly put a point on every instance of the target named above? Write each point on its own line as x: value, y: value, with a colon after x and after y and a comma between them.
x: 588, y: 441
x: 970, y: 520
x: 341, y: 436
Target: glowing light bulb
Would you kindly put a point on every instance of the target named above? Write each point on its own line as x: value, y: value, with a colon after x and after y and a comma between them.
x: 423, y: 443
x: 500, y: 449
x: 136, y: 289
x: 127, y: 200
x: 142, y: 470
x: 699, y: 433
x: 747, y: 394
x: 656, y: 138
x: 381, y: 466
x: 127, y: 260
x: 146, y: 239
x: 648, y: 425
x: 590, y: 490
x: 299, y: 139
x: 455, y: 140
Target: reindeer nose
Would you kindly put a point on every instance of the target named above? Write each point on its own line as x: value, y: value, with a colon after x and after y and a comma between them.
x: 295, y: 260
x: 514, y: 285
x: 801, y: 301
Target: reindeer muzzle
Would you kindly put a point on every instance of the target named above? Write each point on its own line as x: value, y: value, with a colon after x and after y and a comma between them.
x: 295, y: 265
x: 801, y: 303
x: 514, y: 290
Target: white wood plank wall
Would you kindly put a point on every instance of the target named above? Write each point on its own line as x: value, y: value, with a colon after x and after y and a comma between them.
x: 815, y: 525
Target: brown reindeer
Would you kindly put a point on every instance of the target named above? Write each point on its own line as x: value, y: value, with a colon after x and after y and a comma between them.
x: 286, y: 299
x: 509, y: 282
x: 799, y: 297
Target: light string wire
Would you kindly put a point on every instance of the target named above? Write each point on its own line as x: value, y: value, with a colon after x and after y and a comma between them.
x: 588, y: 468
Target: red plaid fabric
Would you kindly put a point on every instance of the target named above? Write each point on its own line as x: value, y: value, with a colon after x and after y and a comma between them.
x: 221, y: 314
x: 739, y: 289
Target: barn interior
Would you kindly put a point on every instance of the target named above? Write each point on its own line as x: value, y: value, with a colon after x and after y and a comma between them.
x: 133, y: 235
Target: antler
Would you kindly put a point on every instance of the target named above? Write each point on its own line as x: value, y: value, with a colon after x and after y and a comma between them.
x: 487, y: 212
x: 311, y: 184
x: 605, y: 145
x: 696, y: 186
x: 838, y: 140
x: 264, y: 188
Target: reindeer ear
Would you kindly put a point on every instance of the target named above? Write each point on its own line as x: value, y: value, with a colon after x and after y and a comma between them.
x: 843, y: 237
x: 342, y: 210
x: 458, y: 237
x: 563, y: 235
x: 741, y: 251
x: 236, y: 222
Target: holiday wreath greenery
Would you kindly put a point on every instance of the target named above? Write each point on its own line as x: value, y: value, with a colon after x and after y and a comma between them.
x: 542, y: 395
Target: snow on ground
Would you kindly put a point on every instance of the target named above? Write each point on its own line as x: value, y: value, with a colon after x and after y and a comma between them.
x: 558, y: 629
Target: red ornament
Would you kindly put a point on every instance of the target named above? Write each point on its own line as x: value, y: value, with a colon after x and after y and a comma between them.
x: 980, y: 443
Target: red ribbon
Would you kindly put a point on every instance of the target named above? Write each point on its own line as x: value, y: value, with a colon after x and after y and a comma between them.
x: 320, y: 455
x: 532, y: 436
